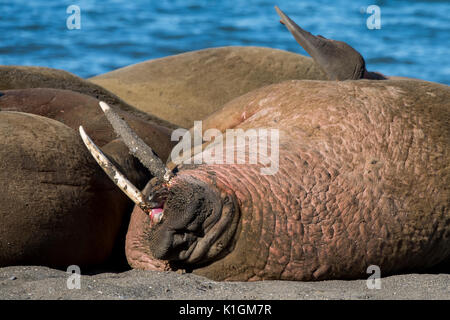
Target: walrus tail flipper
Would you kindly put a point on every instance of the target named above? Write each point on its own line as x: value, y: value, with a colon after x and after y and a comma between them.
x: 336, y: 58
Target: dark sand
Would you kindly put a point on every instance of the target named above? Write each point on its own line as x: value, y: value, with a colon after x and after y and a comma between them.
x: 44, y: 283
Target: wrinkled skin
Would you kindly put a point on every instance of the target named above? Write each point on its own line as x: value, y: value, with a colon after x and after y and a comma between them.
x: 363, y: 179
x: 46, y: 171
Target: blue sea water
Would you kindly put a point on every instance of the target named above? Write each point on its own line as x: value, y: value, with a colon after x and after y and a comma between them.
x: 413, y: 40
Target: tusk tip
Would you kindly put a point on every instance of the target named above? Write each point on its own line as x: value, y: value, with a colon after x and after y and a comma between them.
x: 84, y: 136
x: 82, y: 132
x: 104, y: 106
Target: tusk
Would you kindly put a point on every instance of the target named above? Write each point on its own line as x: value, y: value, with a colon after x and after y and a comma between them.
x: 136, y: 145
x: 114, y: 174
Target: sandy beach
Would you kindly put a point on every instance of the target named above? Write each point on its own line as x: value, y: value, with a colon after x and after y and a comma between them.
x: 33, y: 282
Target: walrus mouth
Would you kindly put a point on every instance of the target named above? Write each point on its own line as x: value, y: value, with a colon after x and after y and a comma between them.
x: 153, y: 204
x: 156, y: 215
x: 199, y: 221
x: 190, y: 220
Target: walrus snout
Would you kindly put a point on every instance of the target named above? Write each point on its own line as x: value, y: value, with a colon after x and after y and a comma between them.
x: 188, y: 218
x: 192, y: 222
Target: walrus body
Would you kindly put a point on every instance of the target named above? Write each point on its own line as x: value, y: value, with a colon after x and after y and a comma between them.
x: 25, y: 77
x: 53, y: 196
x: 363, y: 179
x: 187, y: 87
x: 51, y: 208
x: 75, y: 109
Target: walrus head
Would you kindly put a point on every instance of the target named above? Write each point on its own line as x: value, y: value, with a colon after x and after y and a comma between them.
x: 190, y: 220
x: 196, y: 222
x: 337, y: 59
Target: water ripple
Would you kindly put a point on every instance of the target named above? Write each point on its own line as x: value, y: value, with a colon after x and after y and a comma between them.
x: 413, y: 40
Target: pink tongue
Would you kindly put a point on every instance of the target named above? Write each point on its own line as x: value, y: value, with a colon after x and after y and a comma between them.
x: 156, y: 211
x: 156, y: 215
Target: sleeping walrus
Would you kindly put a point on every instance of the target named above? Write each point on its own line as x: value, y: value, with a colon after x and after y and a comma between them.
x: 362, y: 177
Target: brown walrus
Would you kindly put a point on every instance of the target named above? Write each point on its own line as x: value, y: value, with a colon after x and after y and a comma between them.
x: 189, y: 86
x: 362, y: 178
x: 52, y: 195
x: 75, y: 109
x: 51, y: 200
x: 26, y: 77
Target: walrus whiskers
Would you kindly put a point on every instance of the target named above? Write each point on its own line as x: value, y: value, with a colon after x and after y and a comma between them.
x: 136, y: 145
x: 114, y: 174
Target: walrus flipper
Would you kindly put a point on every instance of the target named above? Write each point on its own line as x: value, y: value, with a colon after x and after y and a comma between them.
x: 336, y: 58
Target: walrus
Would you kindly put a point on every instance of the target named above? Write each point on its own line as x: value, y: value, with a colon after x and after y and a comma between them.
x: 338, y: 60
x: 52, y: 197
x: 26, y: 77
x: 50, y: 205
x: 75, y: 109
x: 189, y: 86
x: 363, y: 179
